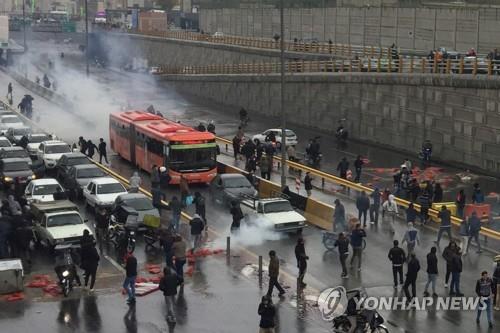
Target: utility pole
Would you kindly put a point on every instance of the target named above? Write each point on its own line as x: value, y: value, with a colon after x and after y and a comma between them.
x: 282, y: 102
x: 87, y: 36
x: 24, y: 26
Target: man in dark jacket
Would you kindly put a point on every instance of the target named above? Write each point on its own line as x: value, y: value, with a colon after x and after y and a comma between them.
x: 130, y: 276
x: 362, y: 204
x: 237, y: 215
x: 358, y: 165
x: 496, y: 284
x: 300, y: 255
x: 411, y: 277
x: 266, y: 312
x: 397, y: 257
x: 157, y: 197
x: 168, y: 284
x: 425, y: 203
x: 90, y: 261
x: 274, y: 272
x: 448, y: 255
x: 102, y: 151
x: 456, y: 270
x: 474, y: 229
x: 375, y: 206
x: 343, y: 167
x: 357, y: 244
x: 432, y: 272
x: 445, y: 216
x: 339, y: 222
x: 484, y: 290
x: 197, y: 227
x: 175, y: 205
x: 343, y: 244
x: 308, y: 183
x: 199, y: 203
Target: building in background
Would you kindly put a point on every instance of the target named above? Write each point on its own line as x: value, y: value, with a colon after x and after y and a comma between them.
x: 153, y: 21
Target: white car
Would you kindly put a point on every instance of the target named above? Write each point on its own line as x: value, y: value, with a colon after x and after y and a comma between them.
x: 42, y: 190
x: 291, y: 137
x: 218, y: 34
x: 4, y: 142
x: 51, y: 151
x: 10, y: 121
x: 34, y: 141
x: 275, y: 213
x: 102, y: 192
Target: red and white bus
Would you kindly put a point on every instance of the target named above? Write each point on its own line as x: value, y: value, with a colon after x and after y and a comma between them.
x: 146, y: 139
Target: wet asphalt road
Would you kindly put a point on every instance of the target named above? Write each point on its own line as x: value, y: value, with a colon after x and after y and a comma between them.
x: 323, y: 267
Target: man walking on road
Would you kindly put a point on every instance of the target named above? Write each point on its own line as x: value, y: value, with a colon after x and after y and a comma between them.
x: 197, y: 227
x: 343, y: 244
x: 339, y: 222
x: 90, y: 261
x: 176, y: 207
x: 463, y: 231
x: 102, y: 151
x: 300, y: 255
x: 168, y: 284
x: 199, y: 204
x: 448, y: 256
x: 411, y: 277
x: 432, y: 272
x: 484, y: 289
x: 266, y: 312
x: 274, y: 272
x: 397, y: 257
x: 391, y: 207
x: 456, y: 270
x: 445, y: 216
x: 362, y: 204
x: 358, y: 165
x: 131, y: 275
x: 474, y: 229
x: 343, y: 167
x: 357, y: 244
x: 308, y: 183
x: 411, y: 239
x: 9, y: 93
x: 375, y: 206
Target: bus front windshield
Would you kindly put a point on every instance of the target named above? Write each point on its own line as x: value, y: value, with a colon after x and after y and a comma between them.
x: 193, y: 159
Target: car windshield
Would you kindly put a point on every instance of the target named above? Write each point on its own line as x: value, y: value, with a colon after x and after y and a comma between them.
x: 139, y: 204
x: 110, y: 188
x: 16, y: 166
x: 46, y: 189
x: 65, y: 219
x: 78, y: 161
x: 5, y: 143
x: 90, y: 173
x: 20, y: 131
x: 289, y: 133
x: 14, y: 153
x: 235, y: 182
x: 57, y: 149
x: 39, y: 138
x: 277, y: 207
x: 11, y: 120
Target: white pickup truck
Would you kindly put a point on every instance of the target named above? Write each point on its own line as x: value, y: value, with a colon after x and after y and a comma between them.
x: 58, y: 222
x: 277, y: 213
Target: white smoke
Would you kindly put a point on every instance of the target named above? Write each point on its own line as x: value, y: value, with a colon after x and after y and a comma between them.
x: 254, y: 231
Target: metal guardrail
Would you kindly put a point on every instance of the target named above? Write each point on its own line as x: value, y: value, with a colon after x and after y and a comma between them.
x: 474, y: 66
x: 359, y: 187
x: 334, y: 49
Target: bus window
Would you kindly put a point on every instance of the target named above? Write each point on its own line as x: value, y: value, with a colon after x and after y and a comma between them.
x: 193, y: 159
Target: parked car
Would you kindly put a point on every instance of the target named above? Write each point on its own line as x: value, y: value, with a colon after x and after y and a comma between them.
x: 51, y: 151
x: 291, y: 137
x: 68, y: 160
x: 218, y: 34
x: 15, y: 152
x: 42, y: 190
x: 10, y: 121
x: 4, y: 142
x: 228, y: 187
x: 15, y: 134
x: 102, y: 192
x: 132, y: 202
x: 79, y: 176
x: 15, y: 168
x: 34, y: 140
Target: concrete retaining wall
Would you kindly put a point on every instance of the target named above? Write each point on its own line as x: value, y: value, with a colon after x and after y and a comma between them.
x: 461, y: 116
x: 122, y: 48
x: 409, y: 28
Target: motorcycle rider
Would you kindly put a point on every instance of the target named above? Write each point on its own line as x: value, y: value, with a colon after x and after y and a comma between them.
x: 64, y: 261
x: 426, y: 151
x: 211, y: 127
x: 341, y: 133
x: 201, y: 127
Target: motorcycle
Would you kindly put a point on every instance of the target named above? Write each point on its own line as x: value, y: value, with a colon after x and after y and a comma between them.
x: 65, y: 268
x: 122, y: 237
x: 366, y: 321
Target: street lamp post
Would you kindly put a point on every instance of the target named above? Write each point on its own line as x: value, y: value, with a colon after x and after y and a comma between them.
x: 282, y: 101
x: 86, y: 37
